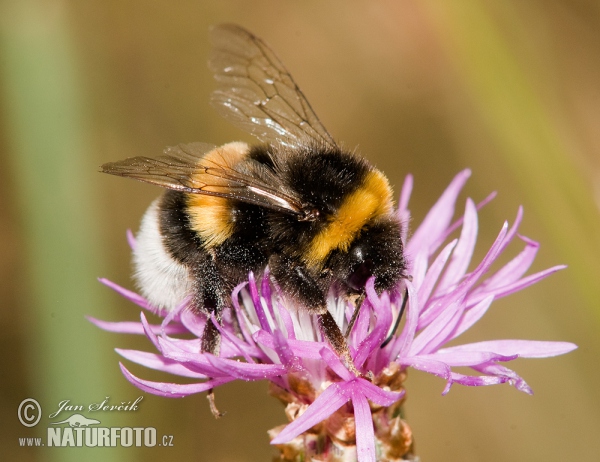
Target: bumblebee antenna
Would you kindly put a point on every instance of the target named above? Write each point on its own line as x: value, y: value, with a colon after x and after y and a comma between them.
x: 397, y: 323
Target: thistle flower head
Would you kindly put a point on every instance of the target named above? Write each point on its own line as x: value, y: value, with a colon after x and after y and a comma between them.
x: 332, y: 411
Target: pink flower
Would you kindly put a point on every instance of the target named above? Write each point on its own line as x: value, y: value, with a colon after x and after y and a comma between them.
x: 325, y: 399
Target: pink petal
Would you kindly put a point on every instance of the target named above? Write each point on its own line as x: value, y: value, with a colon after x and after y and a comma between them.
x: 428, y: 365
x: 335, y: 364
x: 514, y: 269
x: 365, y: 435
x: 504, y: 372
x: 301, y: 348
x: 438, y: 218
x: 472, y: 315
x: 374, y: 393
x: 522, y: 348
x: 132, y: 297
x: 458, y: 223
x: 517, y: 286
x: 244, y: 371
x: 334, y: 397
x: 133, y: 327
x: 194, y: 322
x: 433, y: 274
x: 461, y: 257
x: 131, y: 240
x: 172, y: 390
x: 407, y: 187
x: 407, y: 335
x: 438, y: 332
x: 159, y: 363
x: 458, y: 358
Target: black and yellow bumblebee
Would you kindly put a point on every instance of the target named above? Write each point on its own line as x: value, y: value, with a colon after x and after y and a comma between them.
x: 320, y: 217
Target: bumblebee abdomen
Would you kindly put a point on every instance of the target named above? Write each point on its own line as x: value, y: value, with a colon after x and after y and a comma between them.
x: 162, y: 279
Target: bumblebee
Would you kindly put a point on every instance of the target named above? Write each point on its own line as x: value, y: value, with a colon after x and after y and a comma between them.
x: 320, y: 217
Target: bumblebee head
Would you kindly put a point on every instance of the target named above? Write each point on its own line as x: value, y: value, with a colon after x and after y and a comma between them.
x: 378, y: 252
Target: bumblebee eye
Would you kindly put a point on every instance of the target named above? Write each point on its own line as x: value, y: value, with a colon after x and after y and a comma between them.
x: 360, y: 274
x: 361, y: 268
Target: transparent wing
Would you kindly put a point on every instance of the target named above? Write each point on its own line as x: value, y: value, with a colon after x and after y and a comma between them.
x: 257, y: 94
x: 181, y: 168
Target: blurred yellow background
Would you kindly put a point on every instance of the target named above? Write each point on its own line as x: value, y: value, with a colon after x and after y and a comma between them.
x: 510, y: 89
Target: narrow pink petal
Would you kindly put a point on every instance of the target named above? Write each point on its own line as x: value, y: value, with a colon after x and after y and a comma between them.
x: 473, y: 380
x: 159, y: 363
x: 335, y: 364
x: 242, y: 348
x: 428, y: 365
x: 435, y: 305
x: 131, y: 240
x: 285, y: 353
x: 194, y: 322
x: 458, y: 223
x: 513, y: 229
x: 374, y: 393
x: 435, y: 223
x: 171, y: 390
x: 361, y: 327
x: 434, y: 272
x: 265, y: 291
x: 149, y: 333
x: 174, y: 315
x: 461, y: 257
x: 258, y: 308
x: 301, y: 348
x: 417, y: 267
x: 412, y: 320
x: 522, y: 348
x: 458, y: 358
x: 192, y: 345
x: 195, y: 361
x: 440, y: 330
x: 134, y: 327
x: 472, y: 315
x: 131, y: 296
x: 286, y: 318
x: 433, y: 311
x: 517, y: 286
x: 504, y: 372
x: 241, y: 314
x: 383, y: 322
x: 405, y: 196
x: 514, y: 269
x: 365, y: 435
x: 334, y: 397
x: 244, y: 371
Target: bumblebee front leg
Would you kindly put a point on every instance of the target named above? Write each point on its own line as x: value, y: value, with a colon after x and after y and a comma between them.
x: 210, y: 300
x: 296, y: 280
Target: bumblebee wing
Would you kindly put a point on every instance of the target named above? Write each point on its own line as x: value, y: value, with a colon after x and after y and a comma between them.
x: 256, y: 92
x: 181, y: 169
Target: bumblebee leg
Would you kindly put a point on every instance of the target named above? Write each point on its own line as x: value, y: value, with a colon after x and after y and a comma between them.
x: 296, y: 280
x: 211, y: 338
x: 358, y: 304
x: 334, y: 336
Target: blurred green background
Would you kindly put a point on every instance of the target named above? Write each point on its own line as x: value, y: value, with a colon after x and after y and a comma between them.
x: 509, y: 89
